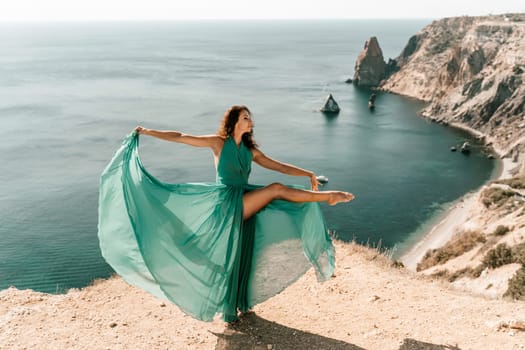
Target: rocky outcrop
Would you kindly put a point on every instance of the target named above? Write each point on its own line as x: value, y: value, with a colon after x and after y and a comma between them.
x: 470, y: 70
x: 330, y: 106
x: 370, y: 67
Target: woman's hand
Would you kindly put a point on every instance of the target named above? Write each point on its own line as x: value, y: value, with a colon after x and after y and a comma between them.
x: 314, y: 182
x: 140, y: 130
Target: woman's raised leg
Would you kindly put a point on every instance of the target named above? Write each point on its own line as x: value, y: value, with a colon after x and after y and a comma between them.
x: 254, y: 201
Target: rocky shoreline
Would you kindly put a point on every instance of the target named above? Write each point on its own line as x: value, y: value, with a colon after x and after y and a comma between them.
x: 470, y: 71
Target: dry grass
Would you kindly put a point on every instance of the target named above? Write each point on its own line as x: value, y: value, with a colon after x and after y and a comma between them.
x: 515, y: 182
x: 495, y: 197
x: 518, y: 254
x: 516, y: 289
x: 498, y: 256
x: 501, y: 230
x: 464, y: 272
x: 454, y: 248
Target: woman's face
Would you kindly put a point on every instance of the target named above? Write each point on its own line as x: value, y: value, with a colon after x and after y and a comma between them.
x: 244, y: 124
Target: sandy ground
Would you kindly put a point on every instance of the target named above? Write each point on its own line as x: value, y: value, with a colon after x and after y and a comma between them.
x: 367, y: 305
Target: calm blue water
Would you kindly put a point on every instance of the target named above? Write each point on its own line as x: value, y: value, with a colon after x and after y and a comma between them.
x: 70, y: 92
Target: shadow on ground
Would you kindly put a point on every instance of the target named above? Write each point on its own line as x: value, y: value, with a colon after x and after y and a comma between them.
x: 411, y: 344
x: 254, y: 333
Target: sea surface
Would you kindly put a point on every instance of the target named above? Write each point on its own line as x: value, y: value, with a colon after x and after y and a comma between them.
x: 69, y: 93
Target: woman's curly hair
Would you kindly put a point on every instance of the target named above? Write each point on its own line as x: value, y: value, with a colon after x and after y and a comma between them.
x: 228, y: 125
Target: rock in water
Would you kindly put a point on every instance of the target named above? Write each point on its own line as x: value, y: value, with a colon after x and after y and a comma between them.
x: 330, y: 106
x: 372, y: 101
x: 370, y: 67
x: 465, y: 148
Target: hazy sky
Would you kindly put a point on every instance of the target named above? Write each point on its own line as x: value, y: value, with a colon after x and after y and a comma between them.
x: 43, y: 10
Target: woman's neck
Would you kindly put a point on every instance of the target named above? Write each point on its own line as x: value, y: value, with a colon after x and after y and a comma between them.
x: 237, y: 139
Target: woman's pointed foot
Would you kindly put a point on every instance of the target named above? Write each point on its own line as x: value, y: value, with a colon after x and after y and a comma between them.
x: 339, y: 197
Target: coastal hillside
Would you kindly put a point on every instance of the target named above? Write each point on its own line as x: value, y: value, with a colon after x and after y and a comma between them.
x: 369, y: 304
x: 485, y: 253
x: 471, y: 71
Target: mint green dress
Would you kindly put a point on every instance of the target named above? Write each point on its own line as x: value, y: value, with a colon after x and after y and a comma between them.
x: 188, y: 243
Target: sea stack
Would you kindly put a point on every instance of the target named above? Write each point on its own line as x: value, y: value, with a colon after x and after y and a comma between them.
x: 370, y: 67
x: 330, y: 106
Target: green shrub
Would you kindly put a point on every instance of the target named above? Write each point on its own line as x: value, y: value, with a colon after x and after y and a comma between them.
x: 495, y: 196
x: 456, y: 247
x: 516, y: 289
x: 501, y: 230
x: 499, y: 256
x: 518, y: 254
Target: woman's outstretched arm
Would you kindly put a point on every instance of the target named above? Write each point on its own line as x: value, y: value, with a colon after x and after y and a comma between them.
x: 288, y: 169
x: 212, y: 141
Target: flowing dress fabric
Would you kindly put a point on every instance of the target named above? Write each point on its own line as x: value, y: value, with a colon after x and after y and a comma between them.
x: 188, y: 243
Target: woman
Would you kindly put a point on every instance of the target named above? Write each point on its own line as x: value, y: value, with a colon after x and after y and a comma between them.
x: 213, y: 248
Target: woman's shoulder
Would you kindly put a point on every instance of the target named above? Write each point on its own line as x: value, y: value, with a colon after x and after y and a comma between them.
x: 220, y: 140
x: 218, y: 144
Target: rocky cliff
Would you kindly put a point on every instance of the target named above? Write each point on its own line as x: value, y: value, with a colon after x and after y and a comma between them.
x: 370, y: 66
x: 471, y: 71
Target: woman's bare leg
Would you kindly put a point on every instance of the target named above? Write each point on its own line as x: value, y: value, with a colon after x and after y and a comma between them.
x: 254, y: 201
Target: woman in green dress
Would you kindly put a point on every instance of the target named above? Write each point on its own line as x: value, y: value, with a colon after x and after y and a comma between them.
x: 213, y: 248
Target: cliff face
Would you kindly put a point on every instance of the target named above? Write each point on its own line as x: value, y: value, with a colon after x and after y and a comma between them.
x: 471, y: 71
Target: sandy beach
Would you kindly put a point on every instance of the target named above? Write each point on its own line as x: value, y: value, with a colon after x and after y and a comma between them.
x: 454, y: 218
x: 442, y: 232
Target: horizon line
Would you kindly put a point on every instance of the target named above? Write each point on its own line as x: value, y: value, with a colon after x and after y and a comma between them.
x: 234, y: 19
x: 217, y: 19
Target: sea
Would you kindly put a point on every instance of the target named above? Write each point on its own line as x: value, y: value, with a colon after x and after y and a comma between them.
x: 71, y: 91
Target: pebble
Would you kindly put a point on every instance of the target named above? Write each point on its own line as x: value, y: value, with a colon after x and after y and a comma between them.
x: 113, y: 324
x: 373, y: 298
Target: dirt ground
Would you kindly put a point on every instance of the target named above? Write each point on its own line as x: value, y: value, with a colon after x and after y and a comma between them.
x: 368, y: 305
